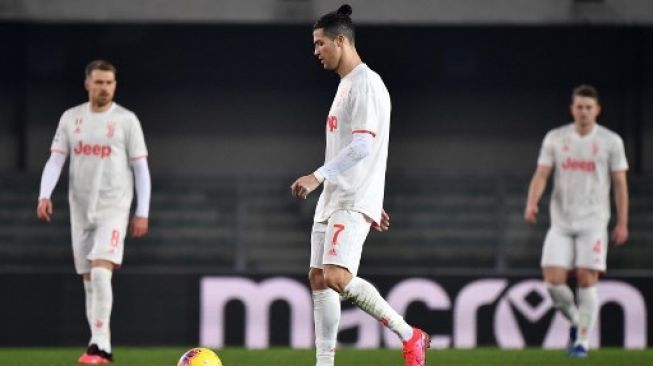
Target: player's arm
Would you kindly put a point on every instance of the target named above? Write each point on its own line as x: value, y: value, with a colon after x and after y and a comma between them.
x: 49, y: 179
x: 620, y: 187
x: 358, y: 149
x: 535, y: 191
x: 143, y: 183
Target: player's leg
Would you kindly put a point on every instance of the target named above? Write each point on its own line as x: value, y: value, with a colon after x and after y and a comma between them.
x: 345, y: 235
x: 561, y: 295
x: 326, y: 302
x: 364, y: 295
x: 101, y: 273
x: 88, y: 294
x: 557, y: 260
x: 588, y: 309
x: 591, y: 247
x: 99, y: 349
x: 107, y: 254
x: 82, y: 243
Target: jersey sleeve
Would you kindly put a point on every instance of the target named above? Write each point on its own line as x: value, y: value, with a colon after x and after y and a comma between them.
x: 364, y: 112
x: 547, y: 151
x: 618, y: 159
x: 136, y: 141
x: 60, y: 142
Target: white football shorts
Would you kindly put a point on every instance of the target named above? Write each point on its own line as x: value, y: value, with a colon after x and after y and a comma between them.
x: 340, y: 240
x: 581, y: 249
x: 103, y: 239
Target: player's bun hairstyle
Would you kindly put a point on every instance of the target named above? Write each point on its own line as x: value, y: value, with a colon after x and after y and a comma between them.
x: 337, y: 22
x: 345, y: 9
x: 585, y: 90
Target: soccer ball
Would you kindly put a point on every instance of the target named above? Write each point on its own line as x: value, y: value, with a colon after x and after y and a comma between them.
x: 199, y: 357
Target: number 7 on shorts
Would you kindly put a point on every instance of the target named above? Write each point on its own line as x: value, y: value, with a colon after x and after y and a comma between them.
x: 339, y: 228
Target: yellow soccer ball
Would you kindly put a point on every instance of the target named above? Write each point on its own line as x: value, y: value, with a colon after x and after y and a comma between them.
x: 199, y: 357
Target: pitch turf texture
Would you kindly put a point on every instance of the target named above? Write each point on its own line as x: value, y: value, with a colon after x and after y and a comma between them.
x: 133, y: 356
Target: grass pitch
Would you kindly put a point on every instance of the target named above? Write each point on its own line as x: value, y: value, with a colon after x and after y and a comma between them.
x: 168, y: 356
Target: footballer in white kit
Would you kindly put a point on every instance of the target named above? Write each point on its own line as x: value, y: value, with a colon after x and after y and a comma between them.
x: 107, y: 153
x: 352, y: 200
x: 357, y: 134
x: 101, y: 147
x: 587, y: 159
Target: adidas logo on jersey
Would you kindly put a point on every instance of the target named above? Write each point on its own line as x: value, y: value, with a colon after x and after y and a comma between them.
x: 582, y: 165
x: 102, y: 151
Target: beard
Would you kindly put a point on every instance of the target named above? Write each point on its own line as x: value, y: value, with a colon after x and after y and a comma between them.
x: 102, y: 100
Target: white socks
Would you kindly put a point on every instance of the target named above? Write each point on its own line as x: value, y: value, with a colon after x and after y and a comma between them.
x: 584, y: 316
x: 563, y: 300
x: 364, y: 295
x: 102, y: 301
x: 588, y: 307
x: 88, y: 291
x: 326, y: 312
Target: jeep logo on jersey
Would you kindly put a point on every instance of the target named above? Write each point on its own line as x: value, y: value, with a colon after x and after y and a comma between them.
x: 582, y: 165
x: 102, y: 151
x: 332, y: 123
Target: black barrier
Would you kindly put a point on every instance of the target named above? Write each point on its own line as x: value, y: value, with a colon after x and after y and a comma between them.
x: 263, y: 311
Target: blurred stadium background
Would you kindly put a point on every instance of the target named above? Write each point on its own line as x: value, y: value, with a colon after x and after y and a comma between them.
x: 232, y: 103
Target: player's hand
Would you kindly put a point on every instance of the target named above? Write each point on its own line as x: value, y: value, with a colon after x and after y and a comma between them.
x: 303, y: 186
x: 44, y: 209
x: 384, y: 225
x: 530, y: 214
x: 620, y: 234
x: 138, y: 227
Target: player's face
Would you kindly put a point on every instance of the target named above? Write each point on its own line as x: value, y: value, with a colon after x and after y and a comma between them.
x: 585, y: 110
x: 327, y: 50
x: 101, y: 85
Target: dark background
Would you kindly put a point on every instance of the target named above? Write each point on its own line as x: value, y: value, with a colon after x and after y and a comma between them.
x: 470, y: 99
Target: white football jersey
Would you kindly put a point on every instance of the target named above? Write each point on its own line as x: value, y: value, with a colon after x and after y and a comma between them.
x: 361, y: 105
x: 100, y: 147
x: 583, y: 167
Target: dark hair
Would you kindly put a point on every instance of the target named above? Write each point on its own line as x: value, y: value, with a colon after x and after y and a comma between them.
x: 337, y: 22
x: 100, y: 65
x: 585, y: 90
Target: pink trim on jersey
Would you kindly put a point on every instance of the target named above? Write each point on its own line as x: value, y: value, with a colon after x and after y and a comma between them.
x: 619, y: 170
x: 364, y: 131
x: 58, y: 151
x: 138, y: 157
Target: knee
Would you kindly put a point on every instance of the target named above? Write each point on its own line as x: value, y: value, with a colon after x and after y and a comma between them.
x: 334, y: 283
x: 337, y: 279
x: 587, y: 278
x: 556, y: 281
x: 555, y: 276
x: 316, y: 279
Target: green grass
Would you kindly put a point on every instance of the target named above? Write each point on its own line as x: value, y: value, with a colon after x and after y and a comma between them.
x: 147, y: 356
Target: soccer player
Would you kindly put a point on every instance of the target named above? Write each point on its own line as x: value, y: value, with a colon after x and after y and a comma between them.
x: 357, y: 132
x: 585, y: 157
x: 107, y: 154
